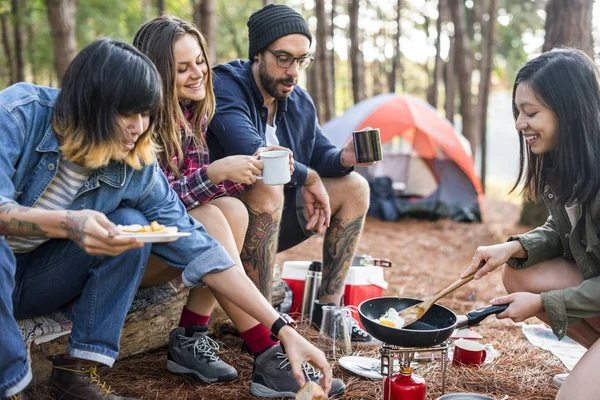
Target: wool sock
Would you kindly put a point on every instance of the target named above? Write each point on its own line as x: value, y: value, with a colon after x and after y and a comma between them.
x: 189, y: 318
x: 258, y: 339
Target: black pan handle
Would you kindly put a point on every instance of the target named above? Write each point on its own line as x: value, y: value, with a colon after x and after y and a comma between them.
x: 478, y: 315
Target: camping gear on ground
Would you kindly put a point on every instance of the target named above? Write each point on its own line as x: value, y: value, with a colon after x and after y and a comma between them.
x: 334, y: 334
x: 435, y: 327
x: 468, y: 353
x: 294, y: 274
x: 367, y: 145
x: 428, y: 165
x: 465, y: 396
x: 404, y: 386
x: 414, y: 313
x: 312, y: 284
x: 365, y: 280
x: 365, y: 367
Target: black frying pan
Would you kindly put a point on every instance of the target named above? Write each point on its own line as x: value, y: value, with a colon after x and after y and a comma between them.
x: 433, y: 328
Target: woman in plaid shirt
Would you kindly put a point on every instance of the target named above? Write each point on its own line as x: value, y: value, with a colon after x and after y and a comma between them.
x: 208, y: 190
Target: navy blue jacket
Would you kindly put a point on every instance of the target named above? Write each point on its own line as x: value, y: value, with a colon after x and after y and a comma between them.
x: 240, y: 120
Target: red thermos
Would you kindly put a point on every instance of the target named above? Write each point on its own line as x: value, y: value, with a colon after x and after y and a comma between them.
x: 404, y: 386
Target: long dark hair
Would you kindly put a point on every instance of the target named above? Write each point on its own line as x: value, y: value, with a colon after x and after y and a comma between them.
x: 106, y: 79
x: 156, y: 39
x: 566, y: 81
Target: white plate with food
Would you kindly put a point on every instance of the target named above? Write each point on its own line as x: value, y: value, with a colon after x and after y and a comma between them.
x: 153, y: 233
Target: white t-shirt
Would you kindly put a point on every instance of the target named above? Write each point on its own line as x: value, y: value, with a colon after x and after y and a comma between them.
x: 271, y: 135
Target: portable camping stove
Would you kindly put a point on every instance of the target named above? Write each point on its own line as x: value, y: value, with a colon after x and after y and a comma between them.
x: 405, y: 356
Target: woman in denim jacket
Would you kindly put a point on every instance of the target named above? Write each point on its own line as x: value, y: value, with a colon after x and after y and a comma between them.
x: 554, y: 271
x: 74, y: 163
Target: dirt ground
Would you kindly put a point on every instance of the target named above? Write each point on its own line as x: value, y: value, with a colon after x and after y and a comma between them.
x: 427, y: 256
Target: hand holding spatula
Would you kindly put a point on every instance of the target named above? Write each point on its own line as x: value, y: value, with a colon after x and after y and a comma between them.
x: 415, y: 312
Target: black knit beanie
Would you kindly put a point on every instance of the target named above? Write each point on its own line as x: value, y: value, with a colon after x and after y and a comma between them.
x: 272, y: 22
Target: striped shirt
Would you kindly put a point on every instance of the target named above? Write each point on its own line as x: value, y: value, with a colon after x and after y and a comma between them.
x: 58, y: 195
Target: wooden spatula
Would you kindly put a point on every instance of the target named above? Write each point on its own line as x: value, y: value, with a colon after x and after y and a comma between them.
x: 415, y: 312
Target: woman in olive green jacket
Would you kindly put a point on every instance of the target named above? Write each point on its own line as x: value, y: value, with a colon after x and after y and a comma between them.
x: 554, y: 270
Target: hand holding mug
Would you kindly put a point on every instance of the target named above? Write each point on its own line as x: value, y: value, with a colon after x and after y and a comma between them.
x: 281, y: 148
x: 363, y: 148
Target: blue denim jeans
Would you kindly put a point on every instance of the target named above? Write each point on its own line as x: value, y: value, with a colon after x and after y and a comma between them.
x: 37, y: 283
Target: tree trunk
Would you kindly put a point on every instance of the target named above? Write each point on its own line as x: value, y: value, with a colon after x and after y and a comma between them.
x: 324, y: 81
x: 207, y: 26
x: 488, y: 49
x: 196, y: 14
x: 160, y: 5
x: 396, y: 58
x: 432, y: 97
x: 450, y: 83
x: 312, y: 82
x: 569, y: 23
x: 61, y: 16
x: 17, y: 13
x: 356, y: 57
x: 464, y: 69
x: 332, y: 56
x: 266, y: 2
x: 6, y: 48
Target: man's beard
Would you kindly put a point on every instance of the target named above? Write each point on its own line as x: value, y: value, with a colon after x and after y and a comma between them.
x: 269, y: 83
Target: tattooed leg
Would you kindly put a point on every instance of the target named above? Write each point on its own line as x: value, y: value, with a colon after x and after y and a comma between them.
x: 260, y: 248
x: 349, y: 199
x: 339, y: 245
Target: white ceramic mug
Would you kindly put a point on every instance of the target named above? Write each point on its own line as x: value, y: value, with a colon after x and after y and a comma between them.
x: 276, y: 167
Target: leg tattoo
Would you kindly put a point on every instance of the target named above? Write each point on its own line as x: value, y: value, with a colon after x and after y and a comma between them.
x: 260, y: 248
x: 338, y: 248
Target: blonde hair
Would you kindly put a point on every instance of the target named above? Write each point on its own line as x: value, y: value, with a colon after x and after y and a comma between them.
x: 156, y: 39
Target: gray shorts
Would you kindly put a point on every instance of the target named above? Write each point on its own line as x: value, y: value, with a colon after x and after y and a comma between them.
x: 292, y: 229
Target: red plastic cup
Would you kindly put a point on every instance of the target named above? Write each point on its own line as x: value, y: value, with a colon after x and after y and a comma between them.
x: 468, y: 353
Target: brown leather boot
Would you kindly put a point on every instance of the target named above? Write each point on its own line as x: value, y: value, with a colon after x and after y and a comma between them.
x: 77, y: 380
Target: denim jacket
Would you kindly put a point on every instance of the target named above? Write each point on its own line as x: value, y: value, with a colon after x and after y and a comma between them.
x: 581, y: 244
x: 29, y: 158
x: 240, y: 120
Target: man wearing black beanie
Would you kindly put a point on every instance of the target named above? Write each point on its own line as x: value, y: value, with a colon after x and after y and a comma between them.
x: 259, y: 104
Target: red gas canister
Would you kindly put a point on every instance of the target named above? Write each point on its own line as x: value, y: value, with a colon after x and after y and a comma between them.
x: 404, y: 386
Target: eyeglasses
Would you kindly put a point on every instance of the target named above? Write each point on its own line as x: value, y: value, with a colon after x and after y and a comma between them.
x: 286, y: 60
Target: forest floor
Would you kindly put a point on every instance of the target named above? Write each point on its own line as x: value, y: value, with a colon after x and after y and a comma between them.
x: 427, y: 256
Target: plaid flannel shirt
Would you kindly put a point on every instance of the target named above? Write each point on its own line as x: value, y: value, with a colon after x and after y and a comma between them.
x: 194, y: 188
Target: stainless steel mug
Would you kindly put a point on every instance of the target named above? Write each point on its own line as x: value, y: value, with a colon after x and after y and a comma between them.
x: 311, y: 288
x: 367, y: 146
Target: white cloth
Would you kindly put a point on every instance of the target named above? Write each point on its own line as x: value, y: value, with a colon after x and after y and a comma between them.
x: 567, y: 350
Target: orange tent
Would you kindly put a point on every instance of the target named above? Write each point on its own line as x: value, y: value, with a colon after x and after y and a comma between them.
x: 431, y: 137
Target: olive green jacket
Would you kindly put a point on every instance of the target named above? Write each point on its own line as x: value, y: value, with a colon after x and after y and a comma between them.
x: 580, y: 244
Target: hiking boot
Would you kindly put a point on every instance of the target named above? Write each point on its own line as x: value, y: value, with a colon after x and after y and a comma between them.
x: 559, y: 379
x: 77, y: 380
x: 357, y: 334
x: 192, y: 353
x: 272, y: 376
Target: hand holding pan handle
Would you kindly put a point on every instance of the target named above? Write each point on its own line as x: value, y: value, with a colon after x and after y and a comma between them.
x: 476, y: 316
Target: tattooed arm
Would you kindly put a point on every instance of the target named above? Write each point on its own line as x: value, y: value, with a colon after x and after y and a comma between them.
x: 91, y: 230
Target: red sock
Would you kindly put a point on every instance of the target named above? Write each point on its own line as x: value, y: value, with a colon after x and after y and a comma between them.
x: 258, y: 338
x: 189, y: 318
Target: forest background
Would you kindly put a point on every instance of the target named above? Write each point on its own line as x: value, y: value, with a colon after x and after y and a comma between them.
x: 459, y: 55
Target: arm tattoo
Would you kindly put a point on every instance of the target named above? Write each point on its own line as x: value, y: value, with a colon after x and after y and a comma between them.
x: 260, y: 248
x: 338, y: 248
x: 74, y: 227
x: 18, y: 227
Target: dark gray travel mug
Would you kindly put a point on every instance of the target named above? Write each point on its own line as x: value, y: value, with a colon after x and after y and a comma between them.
x: 367, y: 146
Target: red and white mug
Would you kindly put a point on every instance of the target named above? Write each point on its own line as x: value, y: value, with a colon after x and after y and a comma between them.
x: 468, y: 353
